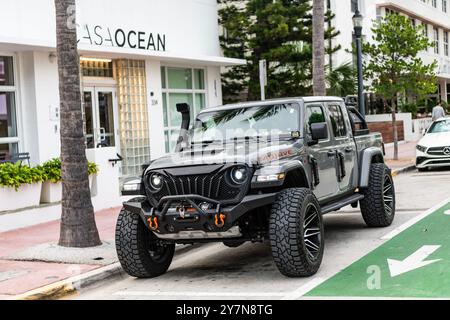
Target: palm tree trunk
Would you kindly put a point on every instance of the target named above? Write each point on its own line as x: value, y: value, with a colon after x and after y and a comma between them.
x: 78, y: 228
x: 319, y: 87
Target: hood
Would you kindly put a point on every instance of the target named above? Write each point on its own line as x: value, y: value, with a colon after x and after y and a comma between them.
x: 250, y: 153
x: 430, y: 140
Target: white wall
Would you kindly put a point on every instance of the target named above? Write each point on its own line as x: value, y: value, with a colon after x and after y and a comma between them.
x: 214, y: 86
x: 155, y: 107
x: 190, y: 26
x: 47, y: 96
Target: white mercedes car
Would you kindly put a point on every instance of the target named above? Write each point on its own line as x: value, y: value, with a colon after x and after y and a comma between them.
x: 433, y: 150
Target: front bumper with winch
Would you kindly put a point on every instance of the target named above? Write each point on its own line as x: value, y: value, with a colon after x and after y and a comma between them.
x: 181, y: 218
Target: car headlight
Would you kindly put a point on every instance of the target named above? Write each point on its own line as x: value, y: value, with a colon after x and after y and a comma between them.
x: 239, y: 175
x: 156, y: 181
x: 421, y: 148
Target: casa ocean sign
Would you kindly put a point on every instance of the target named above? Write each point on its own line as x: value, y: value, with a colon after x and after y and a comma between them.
x: 117, y: 37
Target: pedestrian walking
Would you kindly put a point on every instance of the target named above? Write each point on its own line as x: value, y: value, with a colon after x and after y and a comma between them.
x: 438, y: 112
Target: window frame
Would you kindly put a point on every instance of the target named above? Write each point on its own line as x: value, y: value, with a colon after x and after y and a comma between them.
x: 347, y: 129
x: 13, y: 89
x: 325, y: 114
x: 167, y: 91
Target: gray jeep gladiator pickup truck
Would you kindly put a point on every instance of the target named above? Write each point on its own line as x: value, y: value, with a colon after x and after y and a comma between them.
x: 253, y: 172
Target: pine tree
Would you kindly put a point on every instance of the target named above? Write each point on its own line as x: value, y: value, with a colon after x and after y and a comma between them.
x: 279, y: 31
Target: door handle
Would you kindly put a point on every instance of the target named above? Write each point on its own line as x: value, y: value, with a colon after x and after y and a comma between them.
x: 331, y: 153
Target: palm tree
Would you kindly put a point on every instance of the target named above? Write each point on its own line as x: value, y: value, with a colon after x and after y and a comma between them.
x: 319, y: 87
x: 78, y: 228
x: 341, y: 81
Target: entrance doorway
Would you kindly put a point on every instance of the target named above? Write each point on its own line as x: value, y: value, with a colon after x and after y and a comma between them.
x: 100, y: 114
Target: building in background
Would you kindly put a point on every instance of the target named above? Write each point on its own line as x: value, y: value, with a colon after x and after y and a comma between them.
x: 433, y: 14
x: 139, y: 58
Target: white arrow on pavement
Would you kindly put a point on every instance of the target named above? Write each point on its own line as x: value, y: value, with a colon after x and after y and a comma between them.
x: 414, y: 261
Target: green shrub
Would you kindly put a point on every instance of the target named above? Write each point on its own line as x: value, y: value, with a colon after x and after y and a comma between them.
x: 410, y: 107
x: 52, y: 169
x: 15, y: 175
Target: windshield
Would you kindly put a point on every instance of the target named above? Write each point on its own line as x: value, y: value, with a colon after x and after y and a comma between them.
x: 441, y: 126
x: 253, y: 122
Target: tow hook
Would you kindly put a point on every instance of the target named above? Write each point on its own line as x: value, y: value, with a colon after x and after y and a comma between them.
x: 153, y: 223
x: 219, y: 220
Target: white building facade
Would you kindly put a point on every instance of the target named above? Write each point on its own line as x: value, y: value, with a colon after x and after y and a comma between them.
x: 139, y: 58
x: 433, y: 14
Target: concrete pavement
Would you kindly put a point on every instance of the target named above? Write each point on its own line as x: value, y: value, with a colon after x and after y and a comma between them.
x: 216, y: 272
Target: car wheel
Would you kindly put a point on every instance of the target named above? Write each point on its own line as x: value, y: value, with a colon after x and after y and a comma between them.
x: 378, y: 205
x: 296, y: 233
x: 140, y: 252
x: 422, y: 169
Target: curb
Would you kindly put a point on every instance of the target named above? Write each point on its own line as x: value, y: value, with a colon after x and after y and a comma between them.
x: 74, y: 284
x: 406, y: 169
x: 71, y: 285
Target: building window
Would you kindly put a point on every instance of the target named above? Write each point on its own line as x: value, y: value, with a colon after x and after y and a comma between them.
x: 180, y: 85
x: 446, y: 51
x: 92, y: 67
x: 425, y: 29
x: 444, y: 5
x: 436, y: 40
x: 9, y: 141
x: 434, y: 3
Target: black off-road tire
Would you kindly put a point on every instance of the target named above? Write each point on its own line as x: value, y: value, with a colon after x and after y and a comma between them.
x: 373, y: 206
x: 287, y: 233
x: 139, y: 251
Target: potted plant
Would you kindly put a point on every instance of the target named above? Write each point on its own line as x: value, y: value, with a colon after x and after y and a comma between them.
x: 52, y: 186
x: 20, y: 186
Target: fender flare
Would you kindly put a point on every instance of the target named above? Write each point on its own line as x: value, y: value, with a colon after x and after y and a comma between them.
x: 367, y: 156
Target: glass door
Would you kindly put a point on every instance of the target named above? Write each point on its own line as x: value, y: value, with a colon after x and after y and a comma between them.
x: 100, y: 114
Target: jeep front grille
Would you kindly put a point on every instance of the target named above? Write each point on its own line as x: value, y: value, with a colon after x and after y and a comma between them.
x: 215, y: 185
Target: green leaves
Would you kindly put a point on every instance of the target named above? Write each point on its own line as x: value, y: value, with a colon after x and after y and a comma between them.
x: 52, y: 170
x: 392, y: 63
x: 15, y: 175
x: 279, y: 31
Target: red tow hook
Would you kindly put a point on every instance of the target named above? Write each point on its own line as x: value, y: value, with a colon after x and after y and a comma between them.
x: 219, y: 220
x: 153, y: 223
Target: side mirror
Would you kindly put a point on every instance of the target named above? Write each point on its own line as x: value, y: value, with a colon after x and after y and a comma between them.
x: 319, y: 131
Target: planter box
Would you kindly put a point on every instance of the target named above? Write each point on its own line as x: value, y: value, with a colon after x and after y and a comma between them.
x: 51, y: 192
x: 28, y: 195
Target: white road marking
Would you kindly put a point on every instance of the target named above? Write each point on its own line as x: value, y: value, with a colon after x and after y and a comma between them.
x: 414, y: 261
x: 198, y: 294
x: 413, y: 221
x: 300, y: 292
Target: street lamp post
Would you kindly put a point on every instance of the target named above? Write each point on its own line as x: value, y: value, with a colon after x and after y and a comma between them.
x: 357, y: 25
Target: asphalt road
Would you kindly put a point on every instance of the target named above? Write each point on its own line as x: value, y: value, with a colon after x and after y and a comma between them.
x: 214, y: 271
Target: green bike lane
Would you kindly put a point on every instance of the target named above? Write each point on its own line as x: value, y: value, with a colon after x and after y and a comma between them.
x: 413, y: 264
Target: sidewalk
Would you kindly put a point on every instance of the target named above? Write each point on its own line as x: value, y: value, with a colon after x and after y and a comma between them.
x: 18, y: 277
x: 406, y: 155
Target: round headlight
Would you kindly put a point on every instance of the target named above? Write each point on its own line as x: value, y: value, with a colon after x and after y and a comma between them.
x: 239, y: 175
x: 156, y: 181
